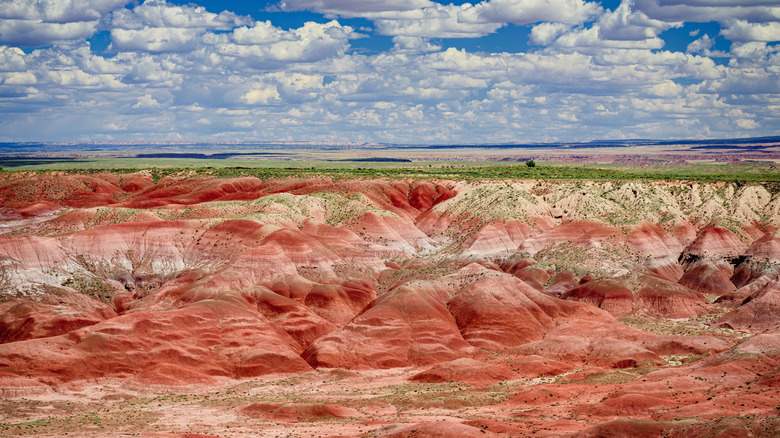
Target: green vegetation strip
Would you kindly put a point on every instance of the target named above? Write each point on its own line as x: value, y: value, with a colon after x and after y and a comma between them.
x: 455, y: 171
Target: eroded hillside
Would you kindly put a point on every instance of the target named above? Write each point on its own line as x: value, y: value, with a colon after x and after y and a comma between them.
x: 500, y: 307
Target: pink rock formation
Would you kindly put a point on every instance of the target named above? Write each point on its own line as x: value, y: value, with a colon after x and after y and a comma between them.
x: 759, y: 311
x: 609, y: 295
x: 715, y: 241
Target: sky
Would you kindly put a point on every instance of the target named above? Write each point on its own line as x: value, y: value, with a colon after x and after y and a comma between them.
x: 388, y: 71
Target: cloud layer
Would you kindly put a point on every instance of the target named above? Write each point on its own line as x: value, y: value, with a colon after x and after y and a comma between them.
x: 647, y: 68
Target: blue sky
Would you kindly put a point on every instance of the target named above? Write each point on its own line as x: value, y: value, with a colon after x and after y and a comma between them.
x: 398, y: 71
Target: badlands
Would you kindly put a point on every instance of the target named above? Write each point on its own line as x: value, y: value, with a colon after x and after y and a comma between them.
x: 197, y: 306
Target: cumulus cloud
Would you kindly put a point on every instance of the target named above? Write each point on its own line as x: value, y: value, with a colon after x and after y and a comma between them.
x: 350, y: 8
x: 58, y: 11
x: 439, y: 21
x: 546, y: 33
x: 414, y: 45
x: 154, y: 39
x: 221, y: 76
x: 624, y: 28
x: 156, y: 26
x: 710, y: 10
x: 700, y: 45
x: 261, y: 96
x: 264, y: 43
x: 427, y: 19
x: 12, y: 59
x: 44, y: 22
x: 533, y: 11
x: 624, y: 23
x: 160, y: 14
x: 741, y: 30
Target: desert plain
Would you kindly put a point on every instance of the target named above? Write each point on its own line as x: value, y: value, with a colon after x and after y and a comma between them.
x: 194, y: 304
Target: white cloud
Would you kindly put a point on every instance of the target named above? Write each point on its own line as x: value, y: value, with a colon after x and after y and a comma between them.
x: 350, y: 8
x: 710, y: 10
x: 312, y: 42
x: 546, y: 33
x: 746, y: 124
x: 157, y: 26
x: 667, y: 89
x: 427, y: 19
x: 624, y: 23
x: 408, y: 44
x: 147, y: 101
x: 262, y: 96
x: 439, y: 21
x: 39, y: 33
x: 44, y: 22
x: 160, y: 14
x: 58, y: 11
x: 534, y: 11
x: 12, y: 59
x: 740, y: 30
x: 182, y: 69
x: 154, y: 39
x: 590, y: 40
x: 700, y: 45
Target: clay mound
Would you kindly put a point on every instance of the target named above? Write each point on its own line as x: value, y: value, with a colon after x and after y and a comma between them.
x: 499, y: 312
x: 195, y: 191
x: 298, y: 412
x: 669, y: 299
x: 766, y: 247
x: 79, y: 191
x: 579, y: 233
x: 388, y: 231
x: 491, y: 239
x: 406, y: 326
x: 562, y: 282
x: 610, y: 295
x: 424, y: 195
x: 759, y: 311
x: 436, y: 429
x: 708, y: 278
x: 752, y: 269
x: 31, y: 252
x: 586, y: 340
x: 57, y: 312
x: 337, y: 303
x: 166, y: 241
x: 296, y: 319
x: 532, y: 366
x: 518, y: 231
x: 684, y: 232
x: 173, y: 375
x: 540, y: 395
x: 469, y: 371
x: 135, y: 182
x: 217, y: 338
x: 651, y: 240
x: 299, y: 321
x: 309, y: 256
x: 32, y: 210
x: 624, y: 428
x: 533, y: 276
x: 665, y: 269
x: 496, y: 313
x: 715, y: 242
x: 629, y: 405
x: 737, y: 297
x: 178, y: 435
